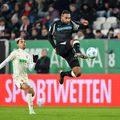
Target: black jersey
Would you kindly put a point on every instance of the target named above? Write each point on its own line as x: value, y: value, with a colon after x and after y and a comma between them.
x: 61, y: 33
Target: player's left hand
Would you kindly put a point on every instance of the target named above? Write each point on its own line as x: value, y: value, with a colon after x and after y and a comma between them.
x: 35, y: 58
x: 84, y: 22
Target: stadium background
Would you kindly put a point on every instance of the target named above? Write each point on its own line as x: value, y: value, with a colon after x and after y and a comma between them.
x: 100, y: 84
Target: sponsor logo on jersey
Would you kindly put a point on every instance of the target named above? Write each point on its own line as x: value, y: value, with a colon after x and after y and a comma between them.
x: 64, y: 28
x: 22, y: 61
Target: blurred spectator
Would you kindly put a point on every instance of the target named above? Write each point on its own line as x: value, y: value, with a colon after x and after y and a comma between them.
x: 5, y: 12
x: 87, y: 13
x: 101, y: 8
x: 74, y: 12
x: 30, y: 10
x: 80, y: 35
x: 98, y: 35
x: 53, y: 13
x: 27, y: 9
x: 24, y: 34
x: 43, y: 63
x: 89, y: 33
x: 11, y: 4
x: 14, y: 25
x: 13, y: 36
x: 44, y: 34
x: 18, y: 9
x: 43, y: 7
x: 115, y: 12
x: 110, y: 34
x: 45, y: 21
x: 35, y: 35
x: 26, y: 26
x: 3, y: 29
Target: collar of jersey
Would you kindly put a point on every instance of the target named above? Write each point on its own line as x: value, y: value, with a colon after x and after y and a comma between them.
x: 20, y: 49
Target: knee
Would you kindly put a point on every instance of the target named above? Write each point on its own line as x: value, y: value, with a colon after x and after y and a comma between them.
x: 31, y: 91
x: 77, y: 73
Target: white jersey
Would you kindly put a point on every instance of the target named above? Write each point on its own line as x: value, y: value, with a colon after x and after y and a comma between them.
x: 21, y: 62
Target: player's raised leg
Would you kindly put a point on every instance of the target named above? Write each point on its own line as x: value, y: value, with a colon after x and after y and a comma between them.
x: 30, y: 94
x: 75, y: 72
x: 75, y: 67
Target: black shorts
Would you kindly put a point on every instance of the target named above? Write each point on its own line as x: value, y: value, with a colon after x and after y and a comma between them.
x: 67, y: 53
x: 72, y: 61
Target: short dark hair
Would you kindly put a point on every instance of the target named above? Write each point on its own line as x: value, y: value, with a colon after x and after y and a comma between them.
x: 18, y: 41
x: 98, y: 31
x: 65, y: 12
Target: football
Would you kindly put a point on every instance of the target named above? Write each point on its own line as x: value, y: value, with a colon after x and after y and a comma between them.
x: 92, y: 52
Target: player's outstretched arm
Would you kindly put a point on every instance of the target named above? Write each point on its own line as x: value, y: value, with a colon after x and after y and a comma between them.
x: 79, y: 25
x: 9, y: 58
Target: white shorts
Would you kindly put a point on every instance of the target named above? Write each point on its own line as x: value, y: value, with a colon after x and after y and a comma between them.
x: 18, y: 81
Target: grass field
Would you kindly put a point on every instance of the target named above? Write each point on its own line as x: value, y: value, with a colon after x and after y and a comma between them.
x: 60, y: 113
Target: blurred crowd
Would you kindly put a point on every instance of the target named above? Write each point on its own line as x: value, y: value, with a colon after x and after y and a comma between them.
x: 31, y: 19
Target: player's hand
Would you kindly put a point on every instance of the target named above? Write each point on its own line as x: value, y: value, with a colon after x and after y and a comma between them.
x: 84, y: 22
x: 35, y: 58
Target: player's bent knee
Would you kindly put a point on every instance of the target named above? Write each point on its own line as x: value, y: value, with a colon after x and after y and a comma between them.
x: 33, y: 93
x: 30, y: 90
x: 77, y: 73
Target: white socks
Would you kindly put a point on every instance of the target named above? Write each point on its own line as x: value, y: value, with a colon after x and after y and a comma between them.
x: 30, y: 103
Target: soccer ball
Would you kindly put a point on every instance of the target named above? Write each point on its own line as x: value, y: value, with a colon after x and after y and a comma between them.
x: 91, y: 52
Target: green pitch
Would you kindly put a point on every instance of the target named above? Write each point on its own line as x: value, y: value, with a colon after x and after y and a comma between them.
x: 60, y: 113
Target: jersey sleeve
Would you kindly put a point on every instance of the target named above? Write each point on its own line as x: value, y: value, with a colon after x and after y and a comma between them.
x: 50, y: 35
x: 8, y: 59
x: 77, y: 26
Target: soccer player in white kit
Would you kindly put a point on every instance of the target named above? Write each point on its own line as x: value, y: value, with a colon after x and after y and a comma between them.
x: 21, y: 62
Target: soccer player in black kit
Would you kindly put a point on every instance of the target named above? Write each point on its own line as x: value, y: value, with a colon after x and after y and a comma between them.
x: 60, y: 37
